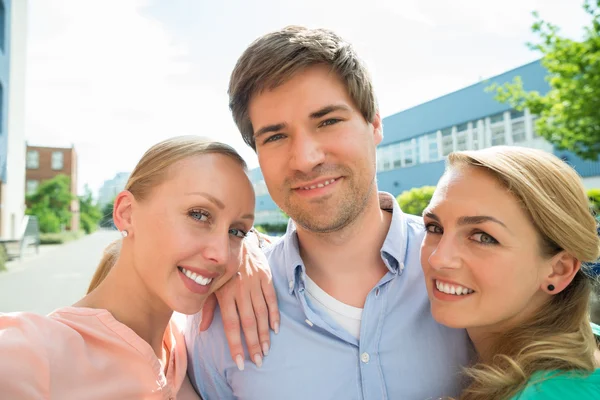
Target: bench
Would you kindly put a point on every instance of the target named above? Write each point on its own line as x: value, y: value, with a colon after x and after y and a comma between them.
x: 30, y: 236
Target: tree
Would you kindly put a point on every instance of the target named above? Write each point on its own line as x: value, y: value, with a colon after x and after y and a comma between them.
x: 415, y: 200
x: 89, y: 212
x: 51, y: 203
x: 594, y: 198
x: 106, y: 220
x: 569, y: 114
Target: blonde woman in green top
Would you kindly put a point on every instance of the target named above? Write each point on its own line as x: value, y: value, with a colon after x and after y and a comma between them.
x: 508, y: 236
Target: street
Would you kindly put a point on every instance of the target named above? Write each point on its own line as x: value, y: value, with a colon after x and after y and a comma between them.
x: 57, y: 277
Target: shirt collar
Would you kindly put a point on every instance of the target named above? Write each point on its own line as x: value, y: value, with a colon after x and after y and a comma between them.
x: 393, y: 251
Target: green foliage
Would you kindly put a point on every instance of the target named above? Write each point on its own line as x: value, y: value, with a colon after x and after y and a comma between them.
x: 59, y: 238
x: 272, y: 228
x: 3, y: 258
x: 415, y: 200
x: 51, y: 203
x: 106, y: 219
x: 594, y: 197
x: 569, y: 114
x: 89, y: 212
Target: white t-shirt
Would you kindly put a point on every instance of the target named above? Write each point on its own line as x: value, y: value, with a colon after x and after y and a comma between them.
x: 347, y: 316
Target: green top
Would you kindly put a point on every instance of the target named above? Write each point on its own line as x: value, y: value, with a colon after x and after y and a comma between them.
x: 595, y: 329
x: 562, y: 386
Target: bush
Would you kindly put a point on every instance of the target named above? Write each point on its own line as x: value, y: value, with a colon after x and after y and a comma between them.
x: 415, y: 200
x: 3, y: 258
x: 594, y: 198
x: 87, y: 223
x: 271, y: 228
x: 59, y: 238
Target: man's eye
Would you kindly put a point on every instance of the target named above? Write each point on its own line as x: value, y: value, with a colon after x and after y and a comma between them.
x: 274, y: 138
x: 331, y: 121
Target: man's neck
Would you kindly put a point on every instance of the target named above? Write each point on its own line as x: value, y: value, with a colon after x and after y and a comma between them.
x: 347, y: 263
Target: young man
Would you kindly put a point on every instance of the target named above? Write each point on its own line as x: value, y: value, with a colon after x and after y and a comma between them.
x: 355, y: 319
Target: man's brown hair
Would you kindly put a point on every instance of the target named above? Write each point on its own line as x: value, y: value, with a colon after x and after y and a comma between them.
x: 274, y: 58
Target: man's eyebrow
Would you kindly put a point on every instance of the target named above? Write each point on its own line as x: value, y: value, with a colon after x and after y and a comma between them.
x: 328, y: 109
x: 269, y: 128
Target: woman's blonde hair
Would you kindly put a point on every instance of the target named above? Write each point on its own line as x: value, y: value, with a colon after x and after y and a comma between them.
x: 151, y: 171
x: 558, y: 336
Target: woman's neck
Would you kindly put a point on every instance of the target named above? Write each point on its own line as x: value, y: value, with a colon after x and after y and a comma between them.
x: 127, y: 298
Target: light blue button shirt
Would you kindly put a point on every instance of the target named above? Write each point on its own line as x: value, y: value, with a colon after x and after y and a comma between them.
x: 402, y: 354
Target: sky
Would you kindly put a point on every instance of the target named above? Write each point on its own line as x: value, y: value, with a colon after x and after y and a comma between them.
x: 114, y: 77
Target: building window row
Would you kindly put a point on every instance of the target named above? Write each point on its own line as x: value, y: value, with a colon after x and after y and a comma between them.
x: 56, y: 160
x: 507, y: 128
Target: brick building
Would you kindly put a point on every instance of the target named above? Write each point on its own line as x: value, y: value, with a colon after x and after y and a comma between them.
x: 44, y: 163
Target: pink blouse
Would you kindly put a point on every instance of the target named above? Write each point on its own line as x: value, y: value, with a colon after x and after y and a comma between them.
x: 84, y: 353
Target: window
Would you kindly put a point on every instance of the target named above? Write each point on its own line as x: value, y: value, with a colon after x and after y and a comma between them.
x: 514, y: 114
x: 384, y: 158
x: 447, y: 144
x: 433, y: 152
x: 33, y: 159
x: 518, y: 131
x: 32, y: 186
x: 462, y: 141
x: 408, y: 153
x: 57, y: 160
x: 475, y: 135
x: 395, y: 155
x: 497, y: 130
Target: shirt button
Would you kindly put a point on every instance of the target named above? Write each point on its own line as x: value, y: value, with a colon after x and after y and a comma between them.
x: 291, y: 285
x: 401, y: 266
x: 377, y: 292
x: 364, y: 357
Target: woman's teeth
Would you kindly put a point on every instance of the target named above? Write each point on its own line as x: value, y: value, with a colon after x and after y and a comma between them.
x: 456, y: 290
x: 199, y: 279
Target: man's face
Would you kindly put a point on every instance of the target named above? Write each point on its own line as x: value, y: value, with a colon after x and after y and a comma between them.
x: 315, y: 149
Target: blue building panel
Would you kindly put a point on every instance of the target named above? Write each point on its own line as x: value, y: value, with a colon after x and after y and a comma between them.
x: 5, y: 12
x: 398, y: 180
x: 265, y: 203
x: 584, y: 168
x: 462, y: 106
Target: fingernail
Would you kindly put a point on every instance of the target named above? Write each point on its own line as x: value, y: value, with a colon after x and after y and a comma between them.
x: 276, y: 329
x: 265, y: 348
x: 258, y: 360
x: 239, y: 361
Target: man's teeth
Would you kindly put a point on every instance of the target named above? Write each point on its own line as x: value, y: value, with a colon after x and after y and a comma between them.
x: 452, y: 289
x: 199, y: 279
x: 319, y: 185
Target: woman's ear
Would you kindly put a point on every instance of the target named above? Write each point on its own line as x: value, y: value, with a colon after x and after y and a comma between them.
x: 122, y: 211
x: 564, y: 267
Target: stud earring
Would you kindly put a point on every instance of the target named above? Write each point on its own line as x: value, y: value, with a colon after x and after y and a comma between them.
x: 550, y: 287
x: 124, y: 233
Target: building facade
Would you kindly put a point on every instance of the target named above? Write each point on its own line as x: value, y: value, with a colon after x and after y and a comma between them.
x: 44, y: 163
x: 13, y: 33
x: 417, y: 141
x: 111, y: 187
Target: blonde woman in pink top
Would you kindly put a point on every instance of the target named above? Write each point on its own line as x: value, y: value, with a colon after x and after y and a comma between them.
x: 183, y: 215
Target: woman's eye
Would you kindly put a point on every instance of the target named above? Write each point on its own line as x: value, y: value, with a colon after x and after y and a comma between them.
x: 199, y: 215
x: 432, y: 228
x: 484, y: 238
x: 238, y: 233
